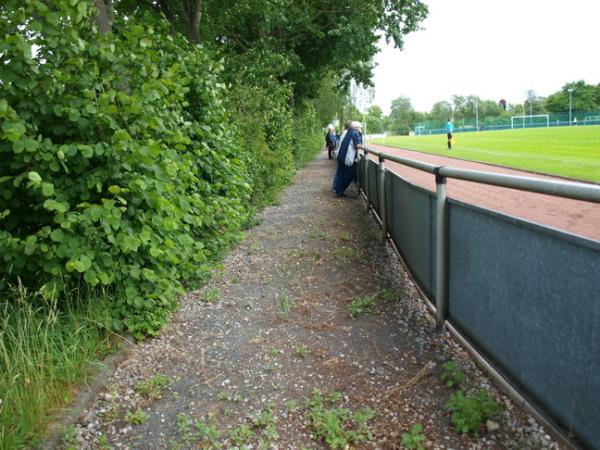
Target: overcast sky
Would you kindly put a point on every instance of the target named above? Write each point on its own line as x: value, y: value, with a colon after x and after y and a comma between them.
x: 493, y: 49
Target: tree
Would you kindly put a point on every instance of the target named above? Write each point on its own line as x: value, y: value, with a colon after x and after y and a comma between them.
x: 441, y: 111
x: 374, y: 120
x: 104, y: 15
x: 310, y: 38
x: 329, y: 101
x: 534, y: 104
x: 401, y: 116
x: 585, y: 97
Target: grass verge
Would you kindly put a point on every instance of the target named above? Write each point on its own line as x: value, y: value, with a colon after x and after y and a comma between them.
x: 45, y: 351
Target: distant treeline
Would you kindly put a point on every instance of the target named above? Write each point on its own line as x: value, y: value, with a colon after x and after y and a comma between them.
x: 403, y: 118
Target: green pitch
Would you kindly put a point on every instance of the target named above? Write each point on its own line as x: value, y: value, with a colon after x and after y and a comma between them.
x: 572, y: 152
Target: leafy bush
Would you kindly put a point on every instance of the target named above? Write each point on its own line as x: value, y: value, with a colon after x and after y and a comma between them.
x: 470, y: 412
x: 117, y: 168
x: 264, y: 121
x: 310, y: 137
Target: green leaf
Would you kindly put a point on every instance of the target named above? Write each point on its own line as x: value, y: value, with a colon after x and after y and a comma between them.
x: 86, y: 150
x: 53, y: 205
x: 122, y: 136
x: 83, y: 263
x: 34, y: 176
x: 82, y: 8
x: 149, y: 275
x: 52, y: 18
x: 103, y: 276
x: 31, y: 145
x: 13, y: 130
x: 95, y: 212
x: 145, y: 235
x: 30, y: 245
x: 131, y: 292
x: 18, y: 146
x: 91, y: 277
x: 47, y: 189
x: 155, y: 251
x: 74, y: 115
x: 3, y: 107
x: 57, y: 235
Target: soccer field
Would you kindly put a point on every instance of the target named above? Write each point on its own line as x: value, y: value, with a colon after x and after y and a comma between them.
x: 572, y: 152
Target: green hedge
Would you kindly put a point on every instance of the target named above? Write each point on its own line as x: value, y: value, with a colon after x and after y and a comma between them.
x: 117, y: 167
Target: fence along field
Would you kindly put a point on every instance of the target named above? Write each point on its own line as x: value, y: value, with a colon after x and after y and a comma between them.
x: 572, y: 152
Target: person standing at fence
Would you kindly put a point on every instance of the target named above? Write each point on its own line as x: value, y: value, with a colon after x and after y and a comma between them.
x: 347, y: 159
x: 330, y: 140
x: 337, y: 149
x: 449, y: 131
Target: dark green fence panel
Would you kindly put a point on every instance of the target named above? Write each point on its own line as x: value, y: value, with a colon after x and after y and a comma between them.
x: 360, y: 173
x: 411, y: 224
x: 373, y: 187
x: 529, y: 297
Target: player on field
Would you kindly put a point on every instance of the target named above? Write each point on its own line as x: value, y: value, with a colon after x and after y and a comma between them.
x: 449, y: 131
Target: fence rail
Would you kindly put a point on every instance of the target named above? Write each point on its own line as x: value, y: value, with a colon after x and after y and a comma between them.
x: 525, y: 296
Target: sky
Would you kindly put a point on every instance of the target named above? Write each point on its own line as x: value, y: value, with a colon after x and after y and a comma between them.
x: 492, y: 49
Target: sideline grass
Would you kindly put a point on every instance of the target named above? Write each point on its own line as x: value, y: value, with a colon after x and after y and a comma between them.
x: 44, y: 354
x: 572, y: 152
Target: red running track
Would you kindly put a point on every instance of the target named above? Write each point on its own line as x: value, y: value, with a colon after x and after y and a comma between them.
x: 574, y: 216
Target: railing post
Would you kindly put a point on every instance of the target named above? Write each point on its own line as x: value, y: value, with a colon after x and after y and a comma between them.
x: 367, y: 193
x: 441, y: 253
x: 382, y: 197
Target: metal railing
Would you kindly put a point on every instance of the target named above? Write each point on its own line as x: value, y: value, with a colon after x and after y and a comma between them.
x: 439, y: 240
x: 567, y: 189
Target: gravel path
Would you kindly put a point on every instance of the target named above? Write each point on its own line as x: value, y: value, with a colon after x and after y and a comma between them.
x: 268, y: 356
x: 574, y: 216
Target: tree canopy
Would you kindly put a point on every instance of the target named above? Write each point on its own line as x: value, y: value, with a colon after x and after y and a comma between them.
x: 138, y: 136
x: 295, y: 41
x: 584, y: 97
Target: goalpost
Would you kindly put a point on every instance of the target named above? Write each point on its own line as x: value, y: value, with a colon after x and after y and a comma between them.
x: 531, y: 122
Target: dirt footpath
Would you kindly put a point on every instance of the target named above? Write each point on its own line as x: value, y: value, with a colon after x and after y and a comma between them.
x: 311, y: 336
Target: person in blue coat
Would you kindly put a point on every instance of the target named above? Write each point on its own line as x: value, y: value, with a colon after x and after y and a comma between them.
x: 347, y: 157
x: 330, y: 140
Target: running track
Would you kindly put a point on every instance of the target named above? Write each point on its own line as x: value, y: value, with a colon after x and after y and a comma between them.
x: 574, y: 216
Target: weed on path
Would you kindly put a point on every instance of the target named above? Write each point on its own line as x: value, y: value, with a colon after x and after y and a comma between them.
x: 311, y: 336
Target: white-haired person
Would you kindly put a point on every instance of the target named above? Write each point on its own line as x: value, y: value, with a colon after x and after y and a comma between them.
x: 347, y: 157
x: 330, y: 140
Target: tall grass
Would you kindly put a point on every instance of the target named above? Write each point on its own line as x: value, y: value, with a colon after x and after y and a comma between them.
x: 45, y: 352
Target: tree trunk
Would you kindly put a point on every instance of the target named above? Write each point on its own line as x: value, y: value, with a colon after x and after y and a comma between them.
x: 194, y: 21
x: 104, y: 19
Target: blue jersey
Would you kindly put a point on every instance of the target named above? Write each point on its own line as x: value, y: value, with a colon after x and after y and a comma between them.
x: 449, y: 127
